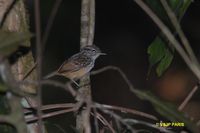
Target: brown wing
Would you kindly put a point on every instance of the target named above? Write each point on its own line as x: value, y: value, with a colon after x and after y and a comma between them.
x: 74, y: 63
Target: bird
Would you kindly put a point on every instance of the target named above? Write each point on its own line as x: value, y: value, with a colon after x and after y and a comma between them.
x: 79, y: 64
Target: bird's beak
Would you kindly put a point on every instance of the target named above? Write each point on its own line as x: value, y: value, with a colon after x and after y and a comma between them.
x: 103, y: 54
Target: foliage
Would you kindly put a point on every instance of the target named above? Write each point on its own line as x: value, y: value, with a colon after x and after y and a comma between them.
x: 160, y: 52
x: 166, y: 109
x: 10, y: 41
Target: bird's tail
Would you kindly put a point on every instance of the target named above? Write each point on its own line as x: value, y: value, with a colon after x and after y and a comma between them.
x: 51, y: 75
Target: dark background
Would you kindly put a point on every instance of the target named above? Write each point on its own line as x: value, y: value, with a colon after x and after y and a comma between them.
x: 124, y: 32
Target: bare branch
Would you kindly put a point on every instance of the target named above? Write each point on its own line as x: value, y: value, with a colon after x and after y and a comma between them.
x: 6, y: 7
x: 50, y: 22
x: 47, y: 115
x: 39, y: 62
x: 117, y: 117
x: 187, y: 99
x: 194, y: 68
x: 127, y: 110
x: 178, y: 28
x: 105, y: 122
x: 95, y: 120
x: 66, y: 86
x: 46, y: 33
x: 29, y: 71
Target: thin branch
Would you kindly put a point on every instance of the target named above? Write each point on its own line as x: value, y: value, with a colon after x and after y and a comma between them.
x: 46, y: 33
x: 178, y: 28
x: 105, y: 122
x: 187, y: 99
x: 7, y: 12
x: 50, y: 22
x: 66, y: 86
x: 64, y: 108
x: 57, y: 106
x: 117, y: 117
x: 51, y: 106
x: 95, y: 120
x: 128, y: 82
x: 39, y: 61
x: 72, y: 108
x: 194, y: 68
x: 127, y: 110
x: 29, y: 71
x: 126, y: 121
x: 48, y: 115
x: 71, y: 105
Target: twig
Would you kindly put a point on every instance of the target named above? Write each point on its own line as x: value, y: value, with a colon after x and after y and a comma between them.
x: 57, y: 106
x: 3, y: 19
x: 128, y: 82
x: 126, y: 121
x: 178, y: 28
x: 65, y: 108
x: 52, y: 106
x: 127, y: 110
x: 194, y: 68
x: 46, y: 33
x: 39, y: 61
x: 50, y: 22
x: 117, y: 117
x: 96, y: 124
x: 66, y: 86
x: 29, y: 71
x: 47, y: 115
x: 71, y: 106
x: 187, y: 99
x: 106, y: 123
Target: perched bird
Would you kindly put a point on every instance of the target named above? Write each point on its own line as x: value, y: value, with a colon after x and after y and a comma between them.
x: 79, y: 64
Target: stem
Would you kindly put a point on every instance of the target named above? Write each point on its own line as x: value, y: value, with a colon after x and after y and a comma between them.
x: 194, y: 68
x: 39, y: 62
x: 86, y: 38
x: 178, y: 28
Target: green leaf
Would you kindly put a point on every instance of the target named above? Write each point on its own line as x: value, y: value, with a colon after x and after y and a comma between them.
x: 159, y: 54
x: 167, y: 110
x: 183, y: 8
x: 165, y: 62
x: 162, y: 56
x: 10, y: 41
x: 156, y: 51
